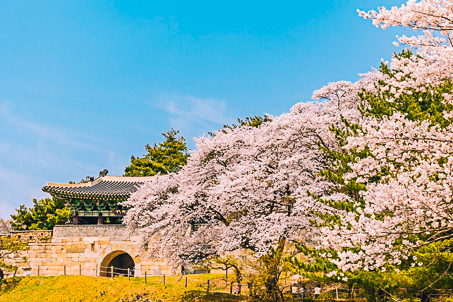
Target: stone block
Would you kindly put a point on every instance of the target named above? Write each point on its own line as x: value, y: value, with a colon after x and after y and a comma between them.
x: 75, y: 250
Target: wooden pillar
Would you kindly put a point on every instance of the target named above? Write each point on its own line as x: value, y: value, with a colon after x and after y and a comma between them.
x: 100, y: 218
x: 75, y: 218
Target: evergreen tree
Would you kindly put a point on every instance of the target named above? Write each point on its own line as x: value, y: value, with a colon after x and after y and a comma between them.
x: 161, y: 158
x: 252, y: 121
x: 435, y: 257
x: 44, y: 215
x: 9, y: 246
x: 249, y: 121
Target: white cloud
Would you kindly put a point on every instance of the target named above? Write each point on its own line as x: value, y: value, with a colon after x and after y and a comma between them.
x: 17, y: 188
x: 188, y: 112
x: 41, y: 131
x: 32, y: 154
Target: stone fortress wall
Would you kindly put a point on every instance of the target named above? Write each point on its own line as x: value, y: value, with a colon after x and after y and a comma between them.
x: 81, y: 249
x: 30, y: 236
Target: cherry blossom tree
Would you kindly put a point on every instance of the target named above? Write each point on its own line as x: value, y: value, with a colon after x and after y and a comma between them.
x: 372, y: 162
x: 244, y: 188
x: 393, y: 174
x: 5, y: 226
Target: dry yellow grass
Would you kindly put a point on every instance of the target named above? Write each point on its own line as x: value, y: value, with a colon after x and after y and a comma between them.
x: 84, y: 288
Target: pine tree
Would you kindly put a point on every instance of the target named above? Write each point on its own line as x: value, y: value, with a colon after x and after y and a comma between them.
x: 161, y: 158
x: 44, y: 215
x: 9, y: 246
x: 418, y: 105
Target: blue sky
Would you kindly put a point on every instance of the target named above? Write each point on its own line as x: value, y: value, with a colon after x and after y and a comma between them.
x: 86, y: 84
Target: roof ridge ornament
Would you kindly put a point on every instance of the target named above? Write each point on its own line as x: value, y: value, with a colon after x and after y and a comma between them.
x: 103, y: 173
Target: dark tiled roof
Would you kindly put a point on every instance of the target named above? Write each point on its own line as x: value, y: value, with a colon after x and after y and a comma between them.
x: 107, y: 187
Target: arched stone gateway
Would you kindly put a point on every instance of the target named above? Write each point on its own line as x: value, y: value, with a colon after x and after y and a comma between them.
x: 117, y: 263
x: 83, y: 249
x: 107, y: 257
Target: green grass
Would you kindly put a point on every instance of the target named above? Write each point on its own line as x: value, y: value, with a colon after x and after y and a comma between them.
x: 84, y: 288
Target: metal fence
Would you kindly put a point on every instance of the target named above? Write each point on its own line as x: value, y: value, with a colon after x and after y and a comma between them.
x: 223, y: 286
x: 110, y: 271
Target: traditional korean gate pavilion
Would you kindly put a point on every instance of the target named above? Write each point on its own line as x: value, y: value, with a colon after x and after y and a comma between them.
x: 97, y: 241
x: 97, y: 201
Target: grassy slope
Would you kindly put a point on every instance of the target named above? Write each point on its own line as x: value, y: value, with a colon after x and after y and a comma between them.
x: 83, y: 288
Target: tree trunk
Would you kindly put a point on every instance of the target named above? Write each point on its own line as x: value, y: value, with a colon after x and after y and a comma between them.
x: 370, y: 294
x: 272, y: 264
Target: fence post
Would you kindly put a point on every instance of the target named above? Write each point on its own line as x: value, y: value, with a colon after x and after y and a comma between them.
x: 64, y: 266
x: 145, y: 277
x: 186, y: 283
x: 336, y: 289
x: 95, y: 270
x: 231, y: 287
x: 38, y: 270
x: 80, y: 270
x: 208, y: 287
x: 128, y: 274
x: 164, y: 279
x: 111, y: 272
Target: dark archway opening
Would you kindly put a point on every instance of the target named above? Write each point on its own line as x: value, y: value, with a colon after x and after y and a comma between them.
x: 118, y: 263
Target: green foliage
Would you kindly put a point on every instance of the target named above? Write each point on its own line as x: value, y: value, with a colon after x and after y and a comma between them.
x: 311, y: 264
x: 8, y: 246
x: 404, y: 281
x: 8, y: 284
x: 82, y: 181
x: 269, y: 270
x: 250, y: 121
x: 436, y: 270
x: 45, y: 214
x: 161, y: 158
x: 421, y: 104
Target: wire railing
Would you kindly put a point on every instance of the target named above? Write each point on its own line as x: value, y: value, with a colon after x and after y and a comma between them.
x: 111, y: 271
x: 222, y: 285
